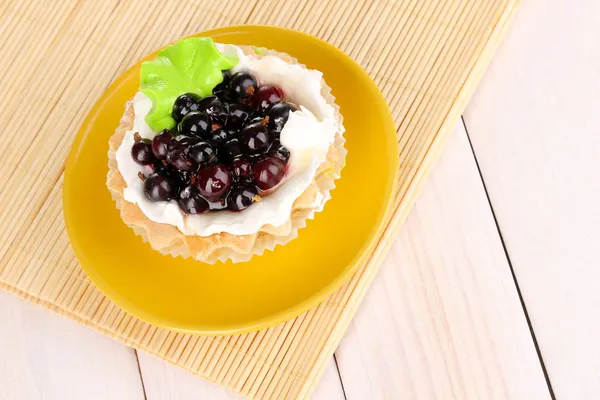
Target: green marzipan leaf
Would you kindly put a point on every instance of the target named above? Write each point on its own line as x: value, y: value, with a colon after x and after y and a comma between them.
x: 190, y: 65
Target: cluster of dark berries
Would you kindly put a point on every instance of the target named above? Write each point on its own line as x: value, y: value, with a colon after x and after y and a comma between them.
x: 225, y: 151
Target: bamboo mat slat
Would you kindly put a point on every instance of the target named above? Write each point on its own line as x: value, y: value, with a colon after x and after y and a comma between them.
x: 58, y: 58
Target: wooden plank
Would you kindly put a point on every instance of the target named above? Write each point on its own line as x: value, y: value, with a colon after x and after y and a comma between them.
x: 44, y: 356
x: 330, y: 385
x: 163, y: 381
x: 443, y: 318
x: 535, y: 127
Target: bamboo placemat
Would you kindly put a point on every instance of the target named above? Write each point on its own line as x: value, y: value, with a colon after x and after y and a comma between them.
x: 58, y: 58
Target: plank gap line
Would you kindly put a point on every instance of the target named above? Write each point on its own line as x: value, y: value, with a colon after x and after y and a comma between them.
x: 512, y: 271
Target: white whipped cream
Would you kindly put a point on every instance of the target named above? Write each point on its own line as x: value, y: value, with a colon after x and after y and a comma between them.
x: 307, y: 134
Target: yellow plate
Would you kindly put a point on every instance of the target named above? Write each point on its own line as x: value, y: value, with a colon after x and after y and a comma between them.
x: 226, y: 298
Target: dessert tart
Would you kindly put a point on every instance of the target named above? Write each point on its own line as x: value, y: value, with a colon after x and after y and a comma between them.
x: 225, y: 151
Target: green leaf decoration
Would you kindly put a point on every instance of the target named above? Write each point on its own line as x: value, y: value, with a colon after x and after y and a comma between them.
x: 190, y: 65
x: 261, y: 51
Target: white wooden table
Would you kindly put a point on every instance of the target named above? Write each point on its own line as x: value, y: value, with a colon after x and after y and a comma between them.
x: 492, y: 289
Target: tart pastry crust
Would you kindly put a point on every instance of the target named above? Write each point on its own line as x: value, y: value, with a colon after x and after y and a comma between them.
x: 168, y: 239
